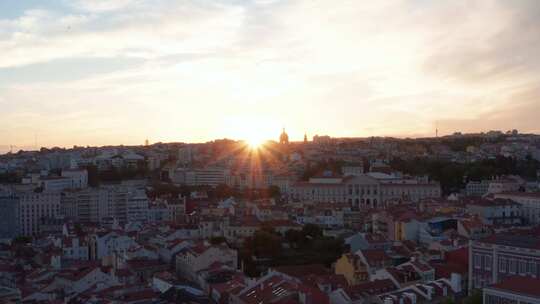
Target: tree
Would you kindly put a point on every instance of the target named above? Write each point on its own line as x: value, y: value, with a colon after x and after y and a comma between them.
x: 264, y: 244
x: 22, y: 240
x: 475, y: 298
x: 217, y: 240
x: 313, y: 231
x: 274, y: 192
x: 223, y: 191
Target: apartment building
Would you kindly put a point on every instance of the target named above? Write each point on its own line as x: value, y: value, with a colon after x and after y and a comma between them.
x: 34, y: 206
x: 518, y: 290
x: 530, y: 204
x: 500, y: 256
x: 96, y: 204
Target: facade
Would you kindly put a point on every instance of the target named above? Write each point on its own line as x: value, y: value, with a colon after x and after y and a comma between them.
x: 353, y: 268
x: 475, y: 188
x: 104, y: 245
x: 55, y: 184
x: 503, y: 185
x: 9, y: 217
x: 35, y: 206
x: 79, y: 178
x: 515, y: 290
x: 497, y: 211
x: 353, y: 170
x: 137, y: 206
x: 193, y: 259
x: 501, y: 256
x: 200, y: 177
x: 95, y: 204
x: 363, y: 191
x: 530, y: 203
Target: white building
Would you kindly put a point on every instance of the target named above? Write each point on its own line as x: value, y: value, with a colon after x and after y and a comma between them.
x: 364, y: 191
x: 497, y: 211
x: 530, y: 203
x: 79, y: 178
x: 104, y: 245
x: 95, y: 204
x: 514, y: 289
x: 200, y: 177
x: 191, y: 260
x: 55, y: 183
x: 35, y: 206
x: 137, y: 206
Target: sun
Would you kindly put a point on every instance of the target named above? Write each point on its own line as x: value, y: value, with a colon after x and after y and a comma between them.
x: 255, y: 142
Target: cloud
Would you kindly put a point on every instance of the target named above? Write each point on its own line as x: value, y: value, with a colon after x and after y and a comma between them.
x: 357, y: 68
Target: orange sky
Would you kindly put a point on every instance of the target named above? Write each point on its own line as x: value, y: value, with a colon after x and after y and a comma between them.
x: 120, y: 71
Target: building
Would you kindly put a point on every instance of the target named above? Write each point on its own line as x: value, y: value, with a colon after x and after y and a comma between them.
x: 79, y: 178
x: 200, y: 177
x: 96, y: 204
x: 9, y: 217
x: 353, y: 268
x: 499, y: 256
x: 530, y: 204
x: 363, y: 191
x: 55, y: 183
x: 475, y: 188
x: 105, y: 244
x: 504, y: 185
x: 352, y: 169
x: 516, y: 289
x: 201, y: 256
x: 137, y: 206
x: 34, y: 206
x: 497, y: 212
x: 284, y: 138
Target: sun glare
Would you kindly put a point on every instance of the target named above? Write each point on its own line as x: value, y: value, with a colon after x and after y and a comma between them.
x: 255, y: 142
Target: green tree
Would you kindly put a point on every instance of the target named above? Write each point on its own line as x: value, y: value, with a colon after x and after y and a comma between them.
x: 474, y: 298
x: 313, y: 231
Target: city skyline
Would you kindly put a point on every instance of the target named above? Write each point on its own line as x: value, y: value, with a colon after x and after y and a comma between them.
x: 118, y: 72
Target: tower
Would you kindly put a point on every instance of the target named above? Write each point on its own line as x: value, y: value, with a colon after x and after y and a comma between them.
x: 284, y: 138
x: 305, y: 138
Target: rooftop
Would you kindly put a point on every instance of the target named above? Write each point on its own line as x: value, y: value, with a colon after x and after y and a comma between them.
x: 520, y: 285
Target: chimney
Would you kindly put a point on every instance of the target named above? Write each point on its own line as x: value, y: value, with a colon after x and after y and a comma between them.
x: 455, y: 282
x: 411, y: 296
x: 429, y: 292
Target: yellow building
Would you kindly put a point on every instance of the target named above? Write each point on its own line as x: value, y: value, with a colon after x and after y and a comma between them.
x: 352, y: 268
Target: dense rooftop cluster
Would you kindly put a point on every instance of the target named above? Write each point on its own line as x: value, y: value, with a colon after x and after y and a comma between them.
x: 323, y: 221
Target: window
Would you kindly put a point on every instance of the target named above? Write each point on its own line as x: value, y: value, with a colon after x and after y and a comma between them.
x: 477, y: 261
x: 522, y: 267
x: 512, y: 266
x: 532, y: 267
x: 488, y: 262
x: 502, y: 265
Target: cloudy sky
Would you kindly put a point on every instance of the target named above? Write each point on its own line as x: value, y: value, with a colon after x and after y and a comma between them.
x: 76, y: 72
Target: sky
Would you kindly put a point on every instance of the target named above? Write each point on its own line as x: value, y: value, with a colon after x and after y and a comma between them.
x: 76, y: 72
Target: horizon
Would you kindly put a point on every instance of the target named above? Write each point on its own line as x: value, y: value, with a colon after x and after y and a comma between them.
x: 121, y: 71
x: 6, y: 149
